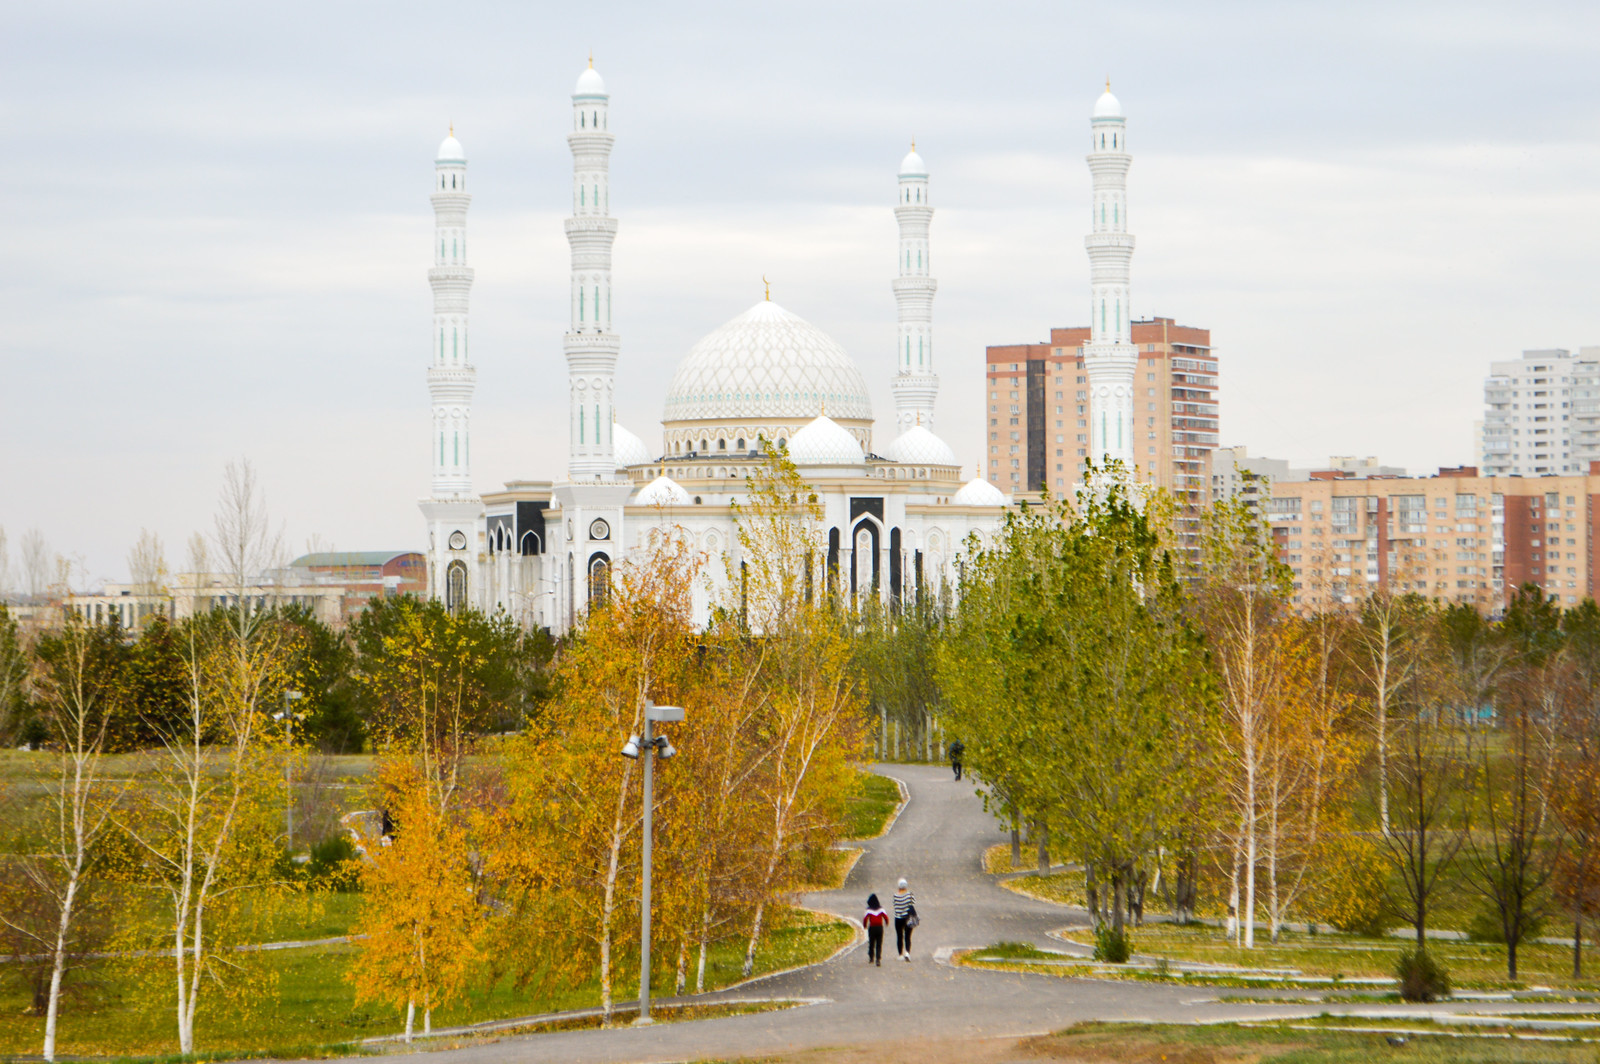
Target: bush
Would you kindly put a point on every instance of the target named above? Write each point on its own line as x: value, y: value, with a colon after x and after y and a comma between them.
x: 1111, y: 945
x: 334, y: 865
x: 1421, y: 977
x: 1354, y: 896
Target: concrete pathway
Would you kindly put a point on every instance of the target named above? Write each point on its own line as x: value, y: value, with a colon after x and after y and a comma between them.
x: 937, y: 845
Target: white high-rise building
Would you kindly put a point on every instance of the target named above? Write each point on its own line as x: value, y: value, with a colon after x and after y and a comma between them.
x: 452, y: 506
x: 1539, y: 417
x: 915, y: 385
x: 1110, y: 357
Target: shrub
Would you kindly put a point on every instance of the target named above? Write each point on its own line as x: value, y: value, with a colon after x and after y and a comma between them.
x: 1421, y: 977
x: 333, y: 865
x: 1111, y: 945
x: 1353, y: 897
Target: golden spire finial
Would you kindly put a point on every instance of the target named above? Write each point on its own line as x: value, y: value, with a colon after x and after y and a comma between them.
x: 768, y: 285
x: 591, y: 59
x: 1108, y: 82
x: 824, y: 408
x: 919, y: 417
x: 913, y: 143
x: 452, y: 129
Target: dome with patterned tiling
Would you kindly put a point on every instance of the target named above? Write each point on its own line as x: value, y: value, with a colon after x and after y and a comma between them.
x: 628, y: 448
x: 768, y: 372
x: 825, y: 443
x: 918, y: 446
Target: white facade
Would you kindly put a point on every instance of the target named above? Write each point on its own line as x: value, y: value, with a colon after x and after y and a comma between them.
x: 1110, y: 357
x: 1540, y: 415
x: 451, y: 506
x: 892, y: 525
x: 915, y: 385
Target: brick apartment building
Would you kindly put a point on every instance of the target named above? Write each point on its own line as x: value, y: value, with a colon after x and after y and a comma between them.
x: 1456, y: 537
x: 1039, y: 411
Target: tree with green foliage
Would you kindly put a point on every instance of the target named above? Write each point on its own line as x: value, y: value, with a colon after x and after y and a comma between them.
x: 1577, y: 791
x: 14, y: 663
x: 1071, y: 672
x: 434, y: 682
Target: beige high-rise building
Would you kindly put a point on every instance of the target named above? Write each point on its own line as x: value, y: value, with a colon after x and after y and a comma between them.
x: 1040, y: 410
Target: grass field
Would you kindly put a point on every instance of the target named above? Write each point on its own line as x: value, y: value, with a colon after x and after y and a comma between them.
x: 870, y: 809
x: 1472, y: 965
x: 314, y: 1005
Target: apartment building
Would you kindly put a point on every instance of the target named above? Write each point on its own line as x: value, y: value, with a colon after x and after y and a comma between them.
x: 1542, y: 413
x: 1457, y: 537
x: 1040, y: 408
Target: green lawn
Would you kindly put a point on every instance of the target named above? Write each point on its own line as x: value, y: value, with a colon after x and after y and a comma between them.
x: 314, y: 1005
x: 1472, y: 965
x: 869, y: 810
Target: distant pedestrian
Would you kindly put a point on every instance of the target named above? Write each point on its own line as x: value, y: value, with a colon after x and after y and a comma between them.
x: 905, y: 920
x: 957, y: 748
x: 875, y: 921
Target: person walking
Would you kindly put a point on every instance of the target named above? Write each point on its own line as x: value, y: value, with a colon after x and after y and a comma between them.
x: 875, y: 921
x: 905, y: 920
x: 957, y: 748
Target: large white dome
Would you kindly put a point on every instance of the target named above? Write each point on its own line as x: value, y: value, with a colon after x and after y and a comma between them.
x: 450, y: 149
x: 1107, y: 106
x: 825, y: 442
x: 918, y: 446
x: 628, y: 448
x: 767, y: 364
x: 590, y: 83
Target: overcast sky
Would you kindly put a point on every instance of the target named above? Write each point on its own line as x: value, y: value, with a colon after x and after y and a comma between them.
x: 218, y: 228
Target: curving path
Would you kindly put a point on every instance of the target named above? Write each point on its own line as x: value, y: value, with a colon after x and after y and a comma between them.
x: 937, y: 844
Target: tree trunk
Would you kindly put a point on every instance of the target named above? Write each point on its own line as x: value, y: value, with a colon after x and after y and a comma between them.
x: 1016, y: 845
x: 1117, y: 886
x: 1041, y: 836
x: 1091, y: 890
x: 755, y: 936
x: 59, y: 964
x: 683, y: 968
x: 700, y: 967
x: 411, y: 1014
x: 1577, y: 946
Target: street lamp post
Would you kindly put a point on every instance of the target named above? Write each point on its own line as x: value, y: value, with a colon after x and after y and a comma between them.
x: 289, y: 695
x: 652, y: 746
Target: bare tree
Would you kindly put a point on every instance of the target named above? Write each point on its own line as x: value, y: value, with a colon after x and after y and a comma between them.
x: 147, y: 564
x: 35, y: 563
x: 5, y: 565
x: 1385, y: 653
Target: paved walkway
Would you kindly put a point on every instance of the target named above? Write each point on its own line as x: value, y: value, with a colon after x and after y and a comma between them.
x: 937, y: 845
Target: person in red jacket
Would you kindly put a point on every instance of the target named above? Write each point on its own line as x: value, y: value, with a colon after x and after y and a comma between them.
x: 875, y: 921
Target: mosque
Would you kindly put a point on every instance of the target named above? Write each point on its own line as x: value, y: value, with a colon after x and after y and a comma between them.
x: 896, y: 512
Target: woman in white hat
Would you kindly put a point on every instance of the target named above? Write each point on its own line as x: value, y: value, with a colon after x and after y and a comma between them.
x: 905, y: 919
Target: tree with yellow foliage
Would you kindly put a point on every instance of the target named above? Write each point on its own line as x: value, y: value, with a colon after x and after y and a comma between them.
x: 417, y: 934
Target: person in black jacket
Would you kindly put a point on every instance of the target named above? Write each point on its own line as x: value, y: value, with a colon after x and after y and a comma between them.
x: 874, y: 921
x: 957, y: 748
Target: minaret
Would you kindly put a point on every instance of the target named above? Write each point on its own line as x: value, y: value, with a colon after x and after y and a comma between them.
x: 1110, y: 356
x: 451, y: 510
x: 915, y: 386
x: 450, y: 374
x: 590, y: 345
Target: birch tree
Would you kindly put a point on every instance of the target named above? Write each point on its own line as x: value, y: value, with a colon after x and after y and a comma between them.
x: 1385, y: 651
x: 198, y: 824
x: 79, y: 679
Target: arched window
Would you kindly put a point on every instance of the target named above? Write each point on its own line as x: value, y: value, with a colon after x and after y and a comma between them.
x: 705, y: 445
x: 455, y: 583
x: 919, y: 350
x: 580, y: 425
x: 455, y: 448
x: 599, y: 580
x: 441, y: 448
x: 597, y: 195
x: 597, y: 303
x: 596, y: 119
x: 441, y: 249
x: 722, y: 444
x: 919, y: 195
x: 580, y: 302
x: 455, y: 344
x: 583, y: 120
x: 919, y: 258
x: 738, y: 444
x: 441, y: 345
x: 452, y: 180
x: 583, y: 195
x: 1116, y: 214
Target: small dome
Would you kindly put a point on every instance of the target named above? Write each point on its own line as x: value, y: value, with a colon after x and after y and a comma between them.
x: 825, y: 442
x: 451, y: 151
x: 590, y: 83
x: 1107, y: 106
x: 662, y: 491
x: 978, y: 492
x: 912, y: 165
x: 628, y: 449
x: 918, y: 446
